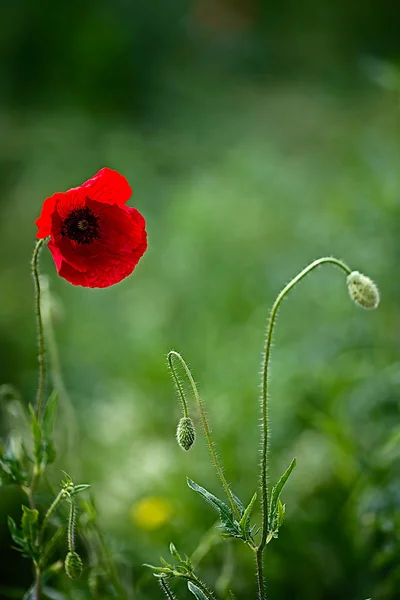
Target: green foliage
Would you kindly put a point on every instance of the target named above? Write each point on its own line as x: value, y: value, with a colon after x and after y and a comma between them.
x: 230, y: 527
x: 197, y: 593
x: 25, y: 537
x: 276, y: 510
x: 11, y: 469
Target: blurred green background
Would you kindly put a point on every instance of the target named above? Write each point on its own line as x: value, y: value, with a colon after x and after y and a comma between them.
x: 256, y: 137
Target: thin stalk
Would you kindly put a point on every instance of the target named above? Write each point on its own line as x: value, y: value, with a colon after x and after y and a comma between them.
x: 38, y: 577
x: 264, y: 395
x: 49, y: 513
x: 71, y: 527
x: 206, y: 427
x: 40, y: 333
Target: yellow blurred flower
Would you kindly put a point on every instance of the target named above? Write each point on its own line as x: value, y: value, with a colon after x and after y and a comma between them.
x: 151, y: 513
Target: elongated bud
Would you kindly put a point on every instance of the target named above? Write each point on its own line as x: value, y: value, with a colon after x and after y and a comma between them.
x: 363, y: 290
x: 73, y: 565
x: 185, y: 433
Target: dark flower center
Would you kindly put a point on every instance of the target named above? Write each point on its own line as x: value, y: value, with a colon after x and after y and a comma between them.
x: 81, y: 226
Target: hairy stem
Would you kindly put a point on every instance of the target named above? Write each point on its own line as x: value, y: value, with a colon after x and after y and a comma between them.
x: 71, y: 527
x: 204, y: 421
x: 49, y: 513
x: 40, y: 333
x: 264, y: 395
x: 260, y: 575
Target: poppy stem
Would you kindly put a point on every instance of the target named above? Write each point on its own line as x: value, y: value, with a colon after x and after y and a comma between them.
x: 40, y: 332
x: 172, y: 354
x: 264, y: 395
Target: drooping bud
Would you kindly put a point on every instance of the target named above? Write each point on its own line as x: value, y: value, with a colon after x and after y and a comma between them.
x: 73, y: 565
x: 363, y: 290
x: 185, y: 433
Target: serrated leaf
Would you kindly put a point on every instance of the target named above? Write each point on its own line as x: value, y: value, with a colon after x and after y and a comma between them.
x: 49, y: 415
x: 197, y: 593
x: 223, y: 509
x: 29, y: 524
x: 276, y: 492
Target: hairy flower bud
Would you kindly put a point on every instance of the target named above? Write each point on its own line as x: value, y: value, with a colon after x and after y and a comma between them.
x: 185, y: 433
x: 363, y: 290
x: 73, y: 565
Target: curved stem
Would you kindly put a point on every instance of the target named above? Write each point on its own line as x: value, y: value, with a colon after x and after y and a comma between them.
x: 40, y: 334
x: 264, y: 395
x: 204, y: 421
x: 177, y: 382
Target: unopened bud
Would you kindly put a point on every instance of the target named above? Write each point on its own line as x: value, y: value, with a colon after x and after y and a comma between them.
x: 73, y: 565
x: 185, y: 433
x: 363, y: 290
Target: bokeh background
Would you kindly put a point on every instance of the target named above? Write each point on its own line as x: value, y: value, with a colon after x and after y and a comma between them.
x: 257, y: 136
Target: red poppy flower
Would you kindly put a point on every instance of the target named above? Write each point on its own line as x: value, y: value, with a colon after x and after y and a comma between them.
x: 96, y: 241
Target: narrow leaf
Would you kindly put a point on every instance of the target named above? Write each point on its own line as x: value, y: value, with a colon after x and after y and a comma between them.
x: 277, y: 489
x: 280, y: 513
x: 81, y: 487
x: 223, y: 509
x: 245, y: 520
x: 174, y: 553
x: 197, y: 593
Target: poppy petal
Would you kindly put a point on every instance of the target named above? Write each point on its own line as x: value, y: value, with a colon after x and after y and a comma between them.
x: 108, y: 186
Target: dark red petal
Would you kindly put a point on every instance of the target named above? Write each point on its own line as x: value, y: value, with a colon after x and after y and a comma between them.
x: 108, y: 186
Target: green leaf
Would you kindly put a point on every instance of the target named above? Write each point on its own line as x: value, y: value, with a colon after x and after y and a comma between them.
x: 174, y: 553
x: 15, y: 534
x: 238, y: 503
x: 280, y: 513
x: 49, y: 415
x: 29, y: 524
x: 224, y: 511
x: 276, y: 492
x: 11, y: 470
x: 245, y: 520
x: 197, y: 593
x: 81, y: 487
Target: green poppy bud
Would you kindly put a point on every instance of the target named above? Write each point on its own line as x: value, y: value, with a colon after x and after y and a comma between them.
x: 73, y: 565
x: 185, y: 433
x: 363, y: 290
